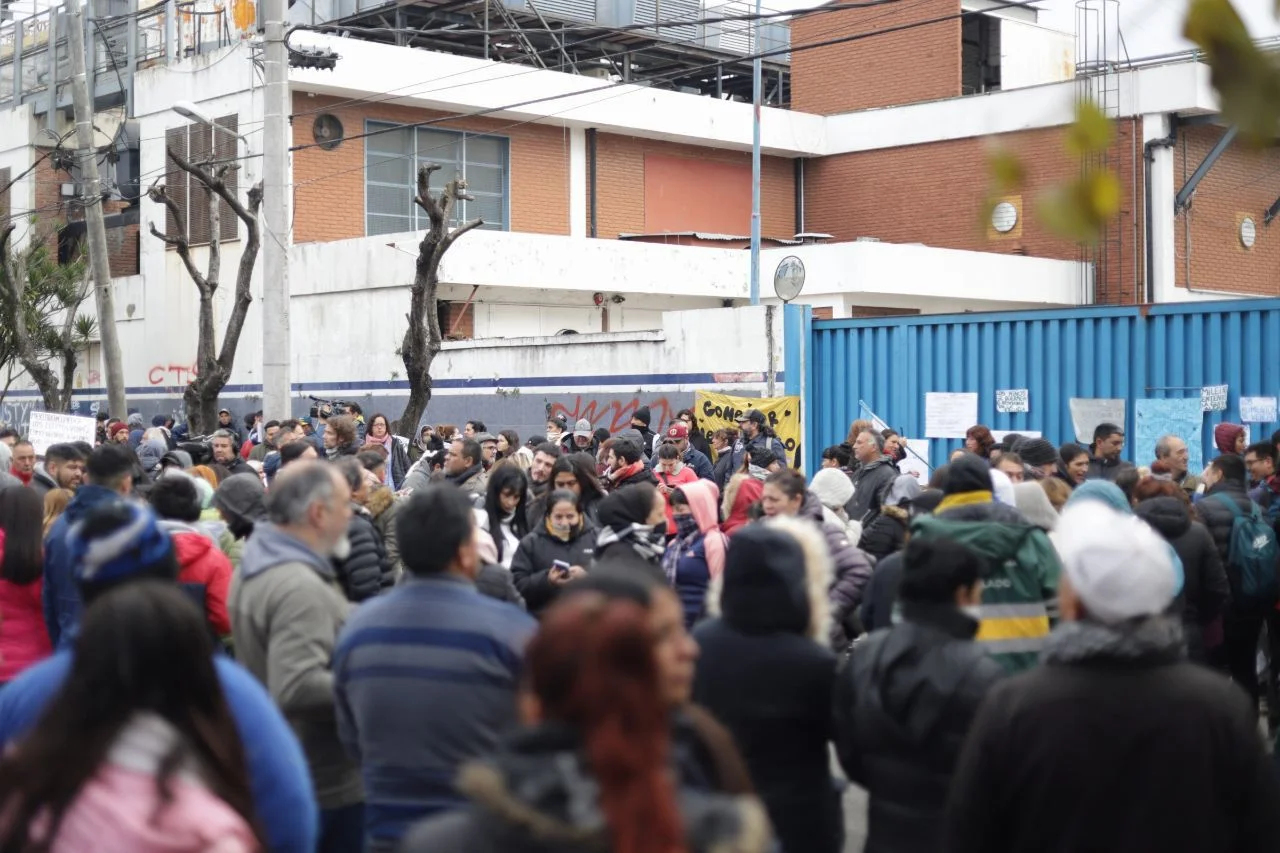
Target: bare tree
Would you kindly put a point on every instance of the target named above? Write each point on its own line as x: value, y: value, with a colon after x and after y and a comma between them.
x: 213, y: 365
x: 423, y: 338
x: 39, y: 301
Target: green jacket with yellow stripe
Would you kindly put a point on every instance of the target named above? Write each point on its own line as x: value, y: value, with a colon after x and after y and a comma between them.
x: 1020, y: 586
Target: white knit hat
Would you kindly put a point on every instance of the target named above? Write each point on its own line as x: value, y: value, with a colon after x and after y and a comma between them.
x: 1118, y: 566
x: 832, y: 486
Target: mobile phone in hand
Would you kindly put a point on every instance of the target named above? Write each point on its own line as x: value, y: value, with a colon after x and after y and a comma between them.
x: 559, y: 567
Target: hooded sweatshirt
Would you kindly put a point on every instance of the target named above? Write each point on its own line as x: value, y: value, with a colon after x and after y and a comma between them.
x: 286, y: 610
x: 204, y: 569
x: 62, y: 603
x: 1225, y: 437
x: 694, y: 559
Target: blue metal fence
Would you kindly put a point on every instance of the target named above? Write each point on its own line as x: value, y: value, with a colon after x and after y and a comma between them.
x: 1120, y: 352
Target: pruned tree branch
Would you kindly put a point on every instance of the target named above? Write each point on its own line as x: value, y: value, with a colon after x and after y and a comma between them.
x: 179, y: 242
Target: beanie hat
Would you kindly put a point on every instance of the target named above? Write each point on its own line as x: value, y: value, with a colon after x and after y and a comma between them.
x: 627, y: 506
x: 158, y: 421
x: 642, y: 415
x: 1119, y: 567
x: 1038, y: 451
x: 832, y: 486
x: 241, y: 497
x: 969, y: 473
x: 1225, y: 436
x: 117, y: 428
x: 135, y: 421
x: 119, y: 541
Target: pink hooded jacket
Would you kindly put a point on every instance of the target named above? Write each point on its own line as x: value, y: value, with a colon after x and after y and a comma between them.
x: 704, y: 499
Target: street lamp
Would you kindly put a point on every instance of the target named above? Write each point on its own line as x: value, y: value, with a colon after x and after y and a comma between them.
x: 191, y: 112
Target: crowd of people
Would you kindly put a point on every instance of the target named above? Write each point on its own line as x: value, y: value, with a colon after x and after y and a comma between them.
x: 319, y: 635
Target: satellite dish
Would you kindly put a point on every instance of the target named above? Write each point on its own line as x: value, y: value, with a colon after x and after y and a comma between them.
x: 788, y: 279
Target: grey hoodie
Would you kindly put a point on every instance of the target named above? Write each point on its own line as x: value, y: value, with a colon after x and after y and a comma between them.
x: 286, y: 612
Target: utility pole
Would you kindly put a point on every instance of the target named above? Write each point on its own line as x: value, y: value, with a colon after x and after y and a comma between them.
x: 95, y: 225
x: 756, y: 86
x: 277, y: 391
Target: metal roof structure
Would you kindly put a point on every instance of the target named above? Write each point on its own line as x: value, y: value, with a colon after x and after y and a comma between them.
x: 654, y: 42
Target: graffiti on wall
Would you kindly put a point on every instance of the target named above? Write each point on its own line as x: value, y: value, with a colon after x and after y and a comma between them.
x: 17, y: 413
x: 172, y: 374
x: 614, y: 415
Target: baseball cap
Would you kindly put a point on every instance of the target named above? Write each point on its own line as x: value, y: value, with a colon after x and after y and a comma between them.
x: 1119, y: 567
x: 119, y: 541
x: 582, y: 429
x: 224, y: 411
x: 752, y: 415
x: 678, y: 430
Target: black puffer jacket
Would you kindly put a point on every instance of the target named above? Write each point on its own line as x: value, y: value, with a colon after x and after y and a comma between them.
x: 531, y: 565
x: 886, y: 534
x: 1205, y: 592
x: 871, y: 484
x: 903, y: 706
x: 851, y: 568
x: 367, y: 570
x: 536, y: 796
x: 1219, y: 519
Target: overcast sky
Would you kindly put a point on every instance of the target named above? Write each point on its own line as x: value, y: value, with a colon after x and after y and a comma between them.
x: 1153, y: 27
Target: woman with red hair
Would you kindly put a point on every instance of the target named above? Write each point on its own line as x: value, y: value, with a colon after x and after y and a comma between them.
x: 592, y: 771
x: 978, y: 439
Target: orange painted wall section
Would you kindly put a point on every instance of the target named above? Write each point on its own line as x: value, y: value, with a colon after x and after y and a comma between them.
x: 683, y: 194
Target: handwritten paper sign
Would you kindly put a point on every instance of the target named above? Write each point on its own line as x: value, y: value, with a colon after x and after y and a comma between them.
x: 1213, y: 398
x: 1258, y: 410
x: 1013, y: 400
x: 949, y: 415
x: 49, y: 428
x: 1088, y: 412
x: 917, y: 462
x: 1155, y: 418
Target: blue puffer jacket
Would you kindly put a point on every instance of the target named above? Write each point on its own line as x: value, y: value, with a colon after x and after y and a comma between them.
x: 62, y: 603
x: 693, y: 576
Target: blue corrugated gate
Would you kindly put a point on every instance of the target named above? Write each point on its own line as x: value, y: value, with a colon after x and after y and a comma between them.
x: 1129, y: 353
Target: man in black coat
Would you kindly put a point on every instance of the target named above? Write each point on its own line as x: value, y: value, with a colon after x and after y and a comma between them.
x: 1115, y: 742
x: 904, y: 703
x: 872, y: 480
x: 1243, y: 620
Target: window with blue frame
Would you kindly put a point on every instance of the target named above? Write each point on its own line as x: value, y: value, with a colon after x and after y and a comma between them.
x: 392, y: 157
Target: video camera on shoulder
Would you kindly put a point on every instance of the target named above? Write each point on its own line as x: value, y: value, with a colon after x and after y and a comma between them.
x: 322, y: 408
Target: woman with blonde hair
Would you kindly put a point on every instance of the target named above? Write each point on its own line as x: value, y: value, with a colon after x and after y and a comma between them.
x: 55, y: 504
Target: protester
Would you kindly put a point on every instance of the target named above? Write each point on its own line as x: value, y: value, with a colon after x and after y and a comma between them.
x: 1171, y: 452
x: 412, y: 726
x: 1057, y: 491
x: 908, y: 696
x: 379, y: 434
x: 239, y: 501
x: 833, y: 489
x: 23, y: 463
x: 7, y: 480
x: 628, y: 466
x: 872, y: 480
x: 426, y: 443
x: 722, y: 441
x: 679, y: 435
x: 576, y: 473
x: 672, y: 473
x: 1081, y: 744
x: 1011, y: 465
x: 286, y: 611
x: 978, y: 440
x: 632, y: 525
x: 765, y: 672
x: 641, y: 421
x: 743, y: 492
x: 594, y: 762
x: 204, y: 570
x: 1205, y: 591
x: 1230, y: 438
x: 1022, y: 579
x: 116, y: 546
x: 887, y: 532
x: 1104, y: 454
x: 505, y: 506
x: 695, y: 558
x: 139, y: 757
x: 785, y: 495
x: 556, y: 553
x: 1040, y: 457
x: 361, y: 563
x: 223, y: 443
x: 384, y: 508
x: 754, y: 433
x: 55, y: 504
x: 544, y: 458
x: 63, y: 468
x: 1225, y: 508
x: 24, y: 639
x: 836, y: 456
x: 340, y: 437
x: 109, y: 475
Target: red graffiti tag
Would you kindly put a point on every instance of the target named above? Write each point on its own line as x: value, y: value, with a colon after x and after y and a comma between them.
x: 613, y: 415
x: 172, y: 374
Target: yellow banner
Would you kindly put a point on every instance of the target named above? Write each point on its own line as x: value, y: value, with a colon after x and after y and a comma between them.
x: 717, y: 411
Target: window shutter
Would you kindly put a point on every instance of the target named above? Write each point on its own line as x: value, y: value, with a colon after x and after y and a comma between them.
x: 226, y: 147
x: 198, y: 211
x: 175, y: 180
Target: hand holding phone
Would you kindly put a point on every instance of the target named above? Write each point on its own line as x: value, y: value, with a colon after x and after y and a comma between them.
x: 559, y: 572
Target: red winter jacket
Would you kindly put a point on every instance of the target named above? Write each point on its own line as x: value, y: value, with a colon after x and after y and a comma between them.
x: 24, y: 639
x: 203, y: 564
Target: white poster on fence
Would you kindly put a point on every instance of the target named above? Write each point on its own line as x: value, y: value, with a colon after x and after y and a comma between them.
x: 948, y: 414
x: 1257, y: 410
x: 1013, y: 400
x: 1213, y: 398
x: 1088, y: 412
x: 49, y: 428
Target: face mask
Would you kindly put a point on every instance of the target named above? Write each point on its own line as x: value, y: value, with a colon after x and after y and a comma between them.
x: 686, y: 525
x: 658, y: 533
x: 341, y: 549
x: 561, y: 529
